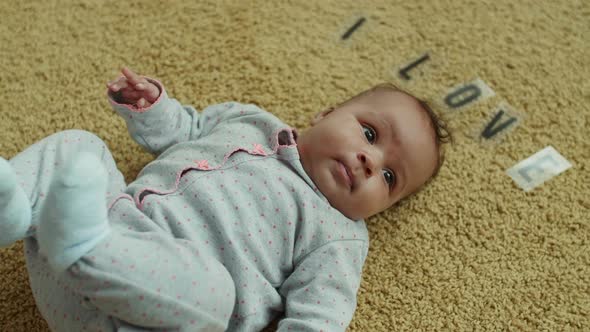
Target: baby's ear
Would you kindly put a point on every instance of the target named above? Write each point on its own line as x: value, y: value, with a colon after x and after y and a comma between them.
x: 319, y: 116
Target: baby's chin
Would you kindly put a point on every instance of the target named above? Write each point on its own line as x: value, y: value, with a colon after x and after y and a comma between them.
x: 345, y: 209
x: 350, y: 211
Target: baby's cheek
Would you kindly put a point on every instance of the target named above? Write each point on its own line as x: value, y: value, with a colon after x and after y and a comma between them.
x: 368, y: 203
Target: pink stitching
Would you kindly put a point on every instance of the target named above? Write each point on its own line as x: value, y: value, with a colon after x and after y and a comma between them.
x: 179, y: 176
x: 203, y: 165
x: 258, y: 150
x: 116, y: 199
x: 275, y: 138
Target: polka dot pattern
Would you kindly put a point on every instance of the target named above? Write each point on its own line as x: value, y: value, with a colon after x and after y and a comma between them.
x: 224, y: 224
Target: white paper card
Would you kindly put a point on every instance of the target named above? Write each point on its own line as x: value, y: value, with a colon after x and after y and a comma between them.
x: 538, y: 168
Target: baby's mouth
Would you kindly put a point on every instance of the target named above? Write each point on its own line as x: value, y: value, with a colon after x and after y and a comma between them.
x: 346, y: 174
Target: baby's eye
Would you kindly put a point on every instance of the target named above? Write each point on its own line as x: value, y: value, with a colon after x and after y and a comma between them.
x: 370, y: 134
x: 389, y: 177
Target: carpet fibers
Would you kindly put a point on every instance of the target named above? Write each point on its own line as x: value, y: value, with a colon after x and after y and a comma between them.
x: 471, y: 252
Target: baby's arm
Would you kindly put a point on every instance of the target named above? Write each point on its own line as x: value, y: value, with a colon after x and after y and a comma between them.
x: 321, y: 293
x: 155, y: 121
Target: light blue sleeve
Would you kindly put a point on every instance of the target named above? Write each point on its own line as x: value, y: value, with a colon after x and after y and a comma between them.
x: 166, y: 122
x: 320, y: 295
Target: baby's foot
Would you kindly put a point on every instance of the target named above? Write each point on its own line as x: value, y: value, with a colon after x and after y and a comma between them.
x: 74, y: 217
x: 15, y: 208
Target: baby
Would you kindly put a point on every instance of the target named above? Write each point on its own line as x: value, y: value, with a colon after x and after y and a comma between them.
x: 237, y: 220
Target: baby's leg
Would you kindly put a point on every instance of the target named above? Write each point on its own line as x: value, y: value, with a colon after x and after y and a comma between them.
x: 139, y: 275
x: 15, y: 209
x: 25, y: 179
x: 154, y: 281
x: 135, y: 281
x: 73, y: 219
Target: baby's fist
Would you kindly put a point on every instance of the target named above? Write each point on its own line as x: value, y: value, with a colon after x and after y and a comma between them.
x: 133, y: 89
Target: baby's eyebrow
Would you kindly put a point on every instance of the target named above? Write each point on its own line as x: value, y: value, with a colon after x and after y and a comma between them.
x: 395, y: 139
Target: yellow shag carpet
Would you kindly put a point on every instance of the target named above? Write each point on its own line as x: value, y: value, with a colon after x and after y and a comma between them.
x: 472, y: 252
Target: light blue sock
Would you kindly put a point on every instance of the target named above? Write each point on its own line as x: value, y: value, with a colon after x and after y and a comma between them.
x: 74, y: 219
x: 15, y: 207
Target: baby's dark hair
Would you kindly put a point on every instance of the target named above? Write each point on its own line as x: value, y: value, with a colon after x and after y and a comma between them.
x: 442, y: 134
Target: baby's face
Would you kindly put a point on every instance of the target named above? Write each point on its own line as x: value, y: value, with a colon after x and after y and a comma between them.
x: 370, y: 152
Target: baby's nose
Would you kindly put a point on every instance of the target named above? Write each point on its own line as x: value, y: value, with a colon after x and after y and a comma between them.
x: 367, y: 163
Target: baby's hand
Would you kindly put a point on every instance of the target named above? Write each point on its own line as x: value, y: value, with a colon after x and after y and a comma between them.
x: 134, y: 89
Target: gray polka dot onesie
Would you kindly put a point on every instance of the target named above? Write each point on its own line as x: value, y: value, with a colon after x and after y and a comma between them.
x: 222, y: 231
